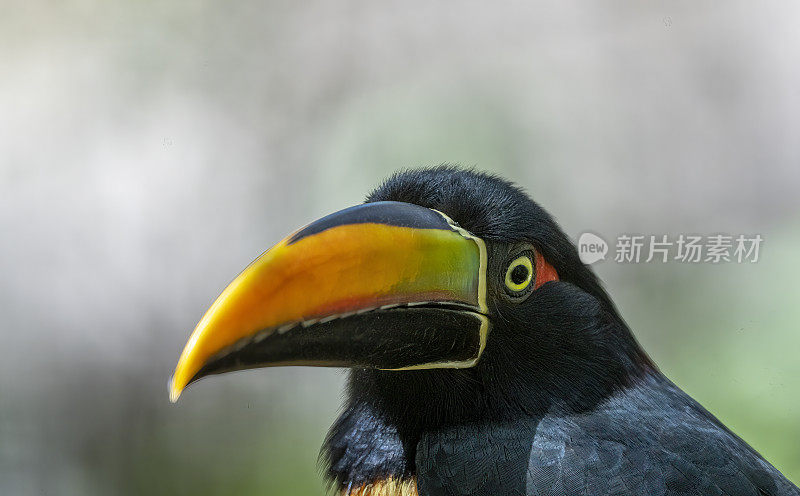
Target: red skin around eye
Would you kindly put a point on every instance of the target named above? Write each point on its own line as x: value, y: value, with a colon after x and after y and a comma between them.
x: 544, y: 271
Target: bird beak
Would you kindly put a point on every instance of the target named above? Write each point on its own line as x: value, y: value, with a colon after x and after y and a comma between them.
x: 385, y: 285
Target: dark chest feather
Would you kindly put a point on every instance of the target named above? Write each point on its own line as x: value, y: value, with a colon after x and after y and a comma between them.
x: 652, y: 440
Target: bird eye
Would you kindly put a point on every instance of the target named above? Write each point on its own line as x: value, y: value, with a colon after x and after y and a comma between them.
x: 519, y: 274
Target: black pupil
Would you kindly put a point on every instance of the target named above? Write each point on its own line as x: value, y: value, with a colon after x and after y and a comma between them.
x: 519, y: 274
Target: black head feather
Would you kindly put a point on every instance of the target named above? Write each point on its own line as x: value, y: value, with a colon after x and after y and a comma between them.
x: 564, y: 347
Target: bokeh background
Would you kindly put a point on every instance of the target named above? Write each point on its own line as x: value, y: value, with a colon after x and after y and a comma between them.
x: 149, y: 150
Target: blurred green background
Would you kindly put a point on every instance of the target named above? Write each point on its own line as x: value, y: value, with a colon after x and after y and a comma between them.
x: 150, y: 150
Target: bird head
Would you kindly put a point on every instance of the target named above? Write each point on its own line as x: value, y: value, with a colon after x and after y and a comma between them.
x: 449, y: 293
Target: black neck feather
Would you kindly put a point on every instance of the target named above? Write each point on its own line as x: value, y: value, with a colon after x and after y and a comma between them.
x: 568, y: 356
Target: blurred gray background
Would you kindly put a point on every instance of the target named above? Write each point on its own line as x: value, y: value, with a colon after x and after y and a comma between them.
x: 150, y: 150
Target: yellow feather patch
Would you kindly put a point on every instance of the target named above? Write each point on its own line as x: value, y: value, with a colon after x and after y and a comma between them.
x: 387, y: 487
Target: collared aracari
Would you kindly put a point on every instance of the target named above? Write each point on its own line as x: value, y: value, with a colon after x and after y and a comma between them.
x: 485, y: 358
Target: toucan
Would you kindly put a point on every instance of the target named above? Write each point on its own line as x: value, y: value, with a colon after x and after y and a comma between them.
x: 484, y: 357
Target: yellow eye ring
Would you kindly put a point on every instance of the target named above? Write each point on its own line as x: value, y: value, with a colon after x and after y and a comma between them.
x: 519, y: 274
